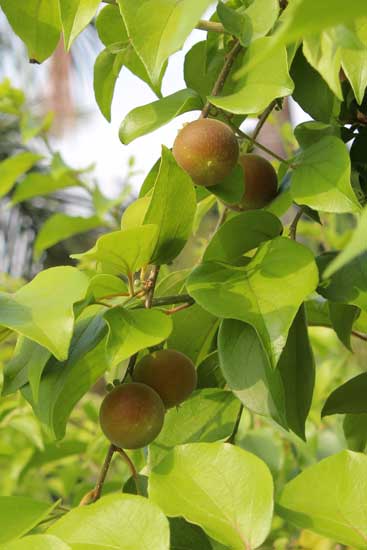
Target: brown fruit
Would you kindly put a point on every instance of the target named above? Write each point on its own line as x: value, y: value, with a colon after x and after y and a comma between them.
x: 260, y: 181
x: 207, y: 150
x: 171, y: 373
x: 131, y: 415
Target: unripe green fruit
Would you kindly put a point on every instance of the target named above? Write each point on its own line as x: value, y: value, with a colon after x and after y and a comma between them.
x: 207, y: 150
x: 171, y: 373
x: 260, y: 180
x: 131, y: 415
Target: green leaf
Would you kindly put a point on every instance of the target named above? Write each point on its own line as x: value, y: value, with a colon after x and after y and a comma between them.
x: 342, y: 317
x: 266, y: 293
x: 135, y: 213
x: 355, y: 431
x: 201, y: 73
x: 297, y: 369
x: 116, y: 520
x: 354, y: 62
x: 31, y: 127
x: 348, y: 398
x: 263, y: 443
x: 106, y: 285
x: 263, y: 14
x: 328, y: 498
x: 209, y: 372
x: 60, y: 227
x: 106, y: 72
x: 18, y: 515
x: 203, y: 207
x: 27, y: 363
x: 174, y: 193
x: 303, y: 18
x: 166, y: 25
x: 110, y: 26
x: 193, y: 320
x: 207, y: 416
x: 309, y: 133
x: 63, y: 384
x: 236, y: 23
x: 187, y: 536
x: 242, y: 234
x: 147, y: 118
x: 231, y: 189
x: 36, y: 184
x: 268, y: 80
x: 321, y: 177
x: 323, y: 55
x: 123, y: 251
x: 112, y: 32
x: 233, y: 504
x: 37, y: 23
x: 42, y: 310
x: 356, y: 246
x: 13, y: 167
x: 348, y: 284
x: 248, y: 371
x: 75, y: 16
x: 41, y: 542
x: 134, y: 330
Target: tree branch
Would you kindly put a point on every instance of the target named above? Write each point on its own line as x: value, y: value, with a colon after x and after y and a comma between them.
x: 151, y: 282
x: 219, y: 83
x: 259, y: 145
x: 169, y: 301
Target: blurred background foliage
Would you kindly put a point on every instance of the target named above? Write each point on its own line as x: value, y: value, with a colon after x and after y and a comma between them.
x: 29, y: 463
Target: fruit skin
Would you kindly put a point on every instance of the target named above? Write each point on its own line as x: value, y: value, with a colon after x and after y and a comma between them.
x: 171, y: 373
x: 207, y: 150
x: 260, y: 180
x: 131, y: 415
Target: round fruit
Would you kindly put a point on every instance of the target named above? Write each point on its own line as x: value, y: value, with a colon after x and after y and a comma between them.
x: 171, y: 373
x: 131, y: 415
x: 207, y: 150
x: 260, y: 180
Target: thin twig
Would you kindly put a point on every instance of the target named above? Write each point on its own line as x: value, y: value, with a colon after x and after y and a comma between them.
x: 359, y: 335
x: 177, y: 309
x: 219, y: 83
x: 132, y: 468
x: 260, y: 145
x: 263, y: 118
x: 294, y: 224
x: 232, y: 437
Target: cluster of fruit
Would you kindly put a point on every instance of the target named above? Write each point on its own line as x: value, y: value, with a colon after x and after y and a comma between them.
x: 208, y: 151
x: 132, y: 414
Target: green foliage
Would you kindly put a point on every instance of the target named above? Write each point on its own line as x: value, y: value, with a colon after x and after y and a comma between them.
x: 277, y: 337
x: 219, y: 504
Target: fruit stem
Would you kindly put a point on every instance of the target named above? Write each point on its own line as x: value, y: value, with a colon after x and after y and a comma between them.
x: 219, y: 83
x: 132, y: 468
x: 103, y: 473
x: 260, y: 145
